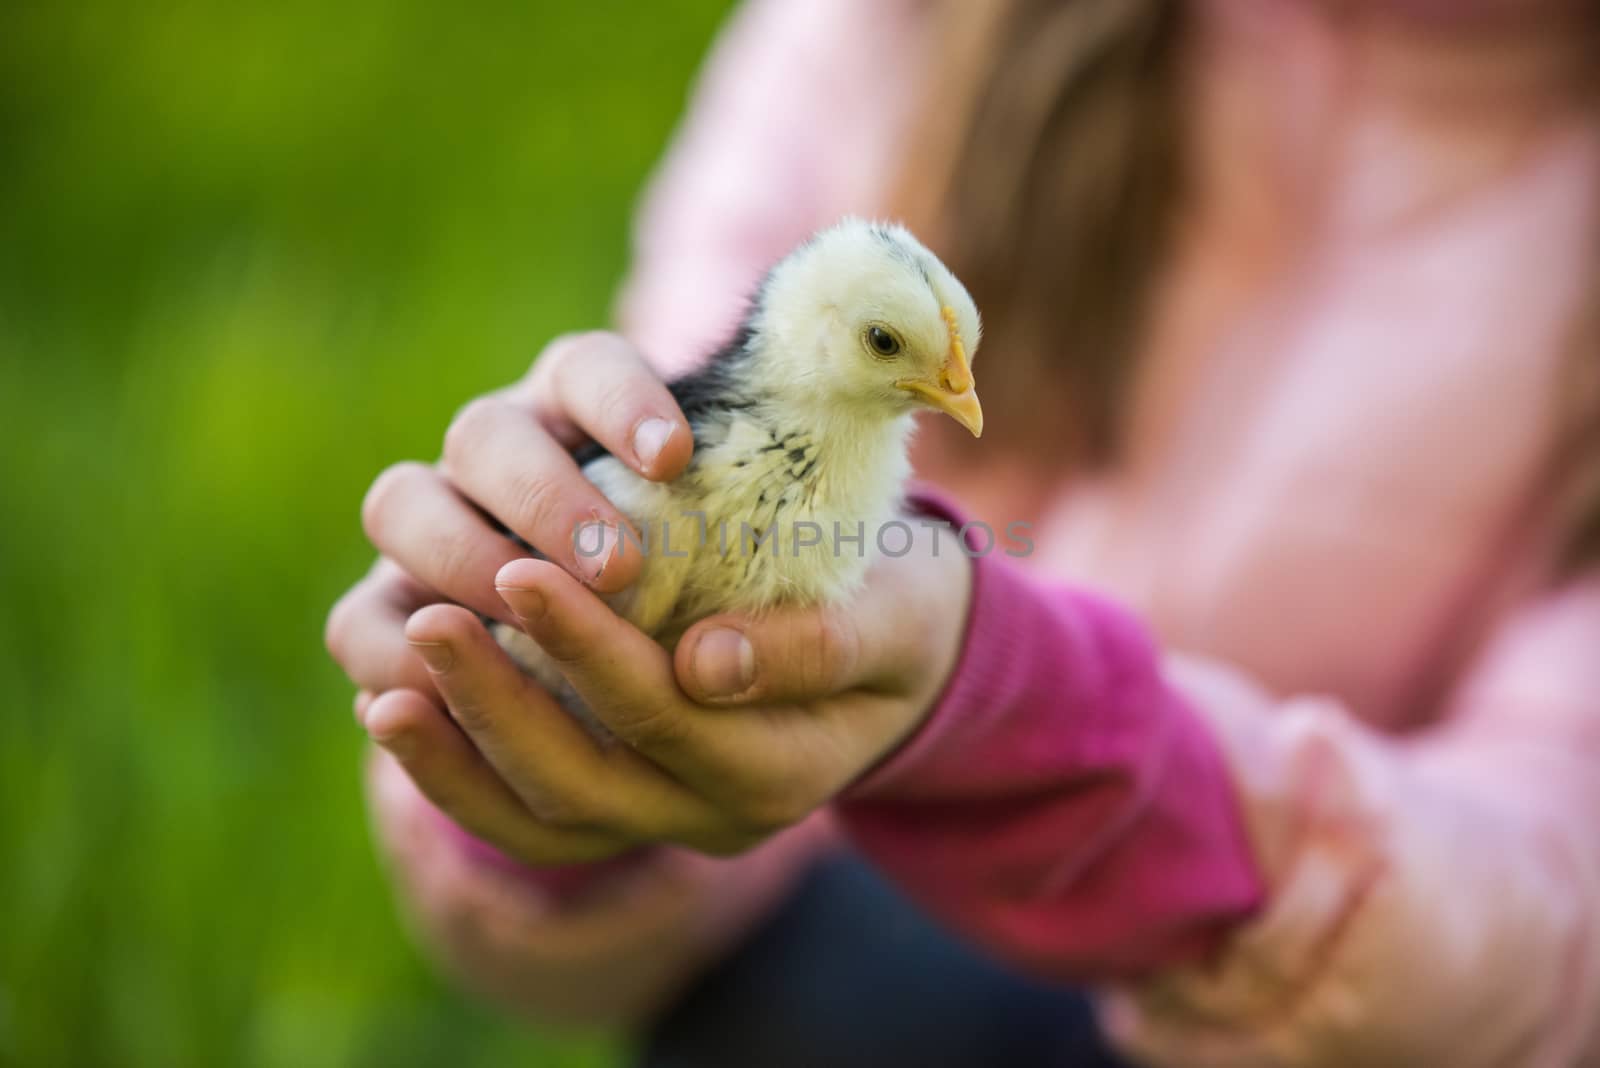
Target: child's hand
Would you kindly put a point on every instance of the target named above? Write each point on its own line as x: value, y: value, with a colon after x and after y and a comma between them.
x: 832, y: 691
x: 508, y: 455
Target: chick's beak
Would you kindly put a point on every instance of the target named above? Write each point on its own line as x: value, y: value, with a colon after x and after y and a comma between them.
x: 951, y: 391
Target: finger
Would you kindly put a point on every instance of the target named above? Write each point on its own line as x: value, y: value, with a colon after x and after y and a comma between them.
x: 600, y: 384
x: 552, y: 763
x: 876, y: 641
x: 799, y: 655
x: 761, y: 771
x: 365, y: 633
x: 623, y: 676
x: 460, y: 783
x: 414, y: 517
x: 502, y: 459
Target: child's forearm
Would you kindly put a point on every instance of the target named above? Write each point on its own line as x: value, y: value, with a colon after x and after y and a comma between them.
x: 603, y: 945
x: 1061, y: 804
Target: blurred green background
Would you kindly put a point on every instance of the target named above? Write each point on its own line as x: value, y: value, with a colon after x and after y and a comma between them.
x: 248, y: 256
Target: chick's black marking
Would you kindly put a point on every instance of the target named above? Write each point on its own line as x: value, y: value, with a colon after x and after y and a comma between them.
x: 903, y: 254
x: 709, y: 389
x: 715, y: 386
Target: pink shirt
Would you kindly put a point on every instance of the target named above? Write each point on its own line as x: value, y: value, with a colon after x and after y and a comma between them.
x: 1313, y: 776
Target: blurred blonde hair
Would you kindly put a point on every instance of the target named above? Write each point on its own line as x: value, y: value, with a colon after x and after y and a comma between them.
x: 1580, y: 518
x: 1048, y: 169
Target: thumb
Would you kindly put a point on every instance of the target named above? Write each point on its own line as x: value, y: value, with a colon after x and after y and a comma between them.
x: 798, y: 656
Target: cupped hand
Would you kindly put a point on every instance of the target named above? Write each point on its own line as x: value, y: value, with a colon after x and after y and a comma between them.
x: 508, y: 455
x: 773, y: 717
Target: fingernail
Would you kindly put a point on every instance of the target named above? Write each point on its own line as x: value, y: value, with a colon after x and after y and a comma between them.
x: 437, y: 655
x: 391, y: 735
x: 724, y: 662
x: 527, y: 604
x: 595, y: 550
x: 649, y: 437
x: 401, y: 745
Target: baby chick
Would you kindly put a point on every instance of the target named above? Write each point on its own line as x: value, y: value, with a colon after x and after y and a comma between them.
x: 801, y: 425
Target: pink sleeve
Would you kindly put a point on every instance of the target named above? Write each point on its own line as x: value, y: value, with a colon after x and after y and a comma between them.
x: 1062, y: 803
x: 1432, y: 899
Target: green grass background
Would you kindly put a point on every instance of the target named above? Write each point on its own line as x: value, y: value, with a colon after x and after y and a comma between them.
x: 249, y: 254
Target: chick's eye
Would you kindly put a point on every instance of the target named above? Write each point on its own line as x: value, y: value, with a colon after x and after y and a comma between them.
x: 881, y: 342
